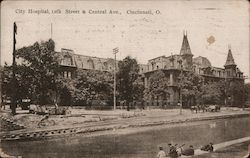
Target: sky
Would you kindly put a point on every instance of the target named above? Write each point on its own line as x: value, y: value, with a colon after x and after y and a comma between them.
x: 212, y: 26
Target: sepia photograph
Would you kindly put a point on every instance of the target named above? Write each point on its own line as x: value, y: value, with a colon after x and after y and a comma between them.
x: 125, y: 79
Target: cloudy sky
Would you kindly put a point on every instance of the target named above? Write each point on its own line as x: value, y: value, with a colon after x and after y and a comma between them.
x: 211, y: 26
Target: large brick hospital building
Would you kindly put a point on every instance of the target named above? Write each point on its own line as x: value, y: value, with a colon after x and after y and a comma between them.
x: 171, y: 65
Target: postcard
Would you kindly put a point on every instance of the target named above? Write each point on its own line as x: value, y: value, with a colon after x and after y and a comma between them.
x: 127, y: 79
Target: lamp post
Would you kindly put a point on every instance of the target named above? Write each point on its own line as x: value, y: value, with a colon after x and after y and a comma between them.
x: 115, y: 51
x: 181, y: 82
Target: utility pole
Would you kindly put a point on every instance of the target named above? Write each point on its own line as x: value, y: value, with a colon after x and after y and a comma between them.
x: 1, y: 82
x: 14, y: 97
x: 115, y: 51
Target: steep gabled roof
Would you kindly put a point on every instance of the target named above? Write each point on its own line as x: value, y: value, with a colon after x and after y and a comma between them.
x: 230, y: 59
x: 185, y: 48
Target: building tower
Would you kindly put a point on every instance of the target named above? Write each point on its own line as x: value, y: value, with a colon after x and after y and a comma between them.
x: 186, y: 53
x: 230, y: 66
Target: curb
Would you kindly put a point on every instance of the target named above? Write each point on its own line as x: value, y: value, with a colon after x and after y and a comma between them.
x: 86, y: 130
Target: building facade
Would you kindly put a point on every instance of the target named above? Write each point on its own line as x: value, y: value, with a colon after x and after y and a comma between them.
x: 175, y: 64
x: 172, y: 66
x: 70, y: 62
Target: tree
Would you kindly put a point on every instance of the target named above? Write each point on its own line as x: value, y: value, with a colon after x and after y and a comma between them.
x: 237, y: 92
x: 24, y: 88
x: 6, y: 81
x: 89, y: 85
x: 138, y: 88
x: 190, y: 84
x: 39, y: 71
x: 247, y: 93
x: 212, y: 93
x: 129, y: 85
x: 158, y: 86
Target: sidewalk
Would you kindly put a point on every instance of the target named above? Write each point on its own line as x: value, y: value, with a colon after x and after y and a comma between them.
x: 239, y: 149
x: 84, y: 121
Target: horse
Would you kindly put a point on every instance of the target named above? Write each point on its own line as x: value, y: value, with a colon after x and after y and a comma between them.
x: 198, y: 108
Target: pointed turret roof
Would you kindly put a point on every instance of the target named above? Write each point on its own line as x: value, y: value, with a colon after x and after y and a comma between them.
x: 230, y: 59
x: 185, y: 48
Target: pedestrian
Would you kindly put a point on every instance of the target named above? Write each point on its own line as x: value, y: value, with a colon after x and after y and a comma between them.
x: 172, y: 151
x: 161, y: 153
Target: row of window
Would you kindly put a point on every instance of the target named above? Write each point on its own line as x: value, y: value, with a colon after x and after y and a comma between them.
x: 67, y: 74
x: 220, y: 73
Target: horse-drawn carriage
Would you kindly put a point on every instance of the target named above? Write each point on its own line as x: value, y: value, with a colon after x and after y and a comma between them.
x: 205, y: 108
x: 213, y: 108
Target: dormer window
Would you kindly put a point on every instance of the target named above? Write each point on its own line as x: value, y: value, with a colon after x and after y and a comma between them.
x: 67, y: 60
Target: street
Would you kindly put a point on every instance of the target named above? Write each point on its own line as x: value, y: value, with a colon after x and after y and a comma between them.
x: 128, y: 142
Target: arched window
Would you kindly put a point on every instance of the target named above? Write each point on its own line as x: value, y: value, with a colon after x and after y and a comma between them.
x: 91, y: 64
x: 65, y: 74
x: 99, y: 65
x: 153, y: 66
x: 105, y: 64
